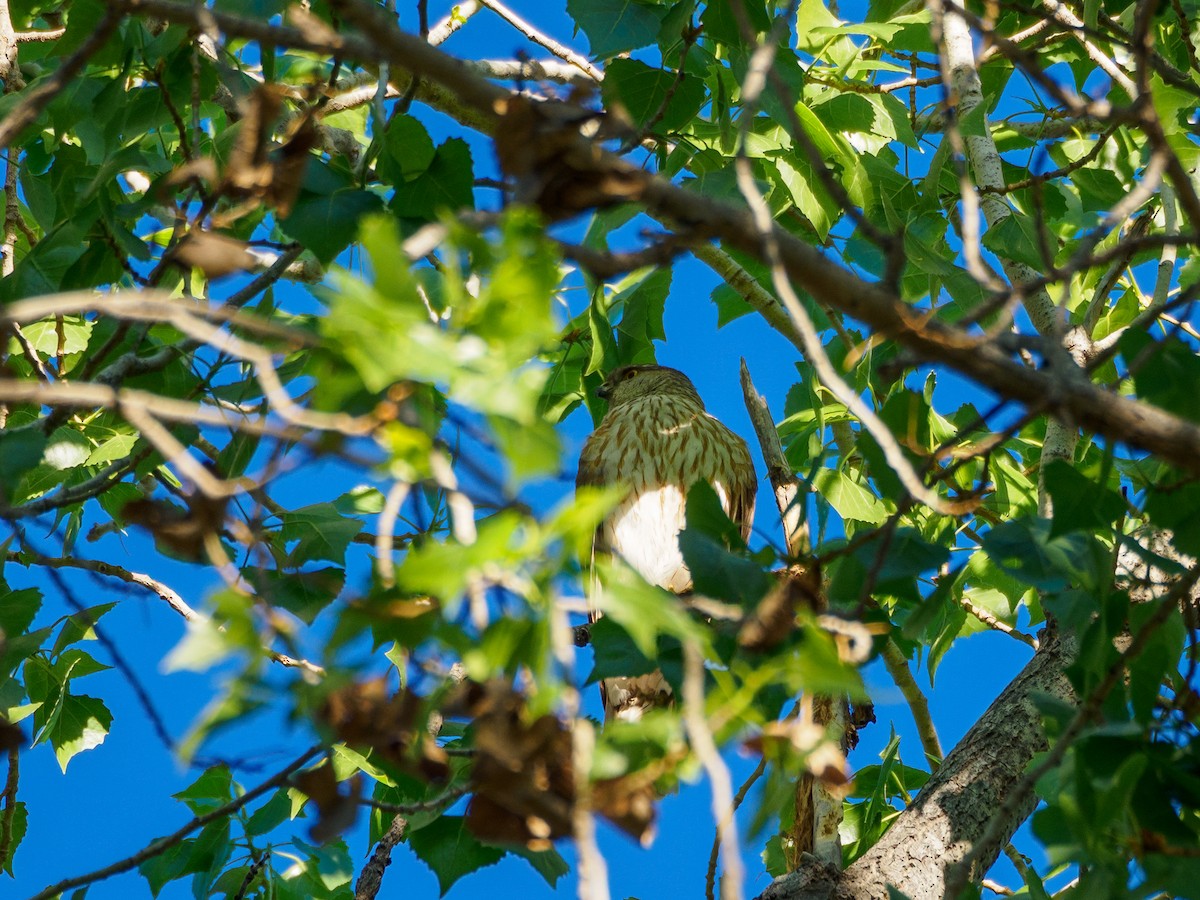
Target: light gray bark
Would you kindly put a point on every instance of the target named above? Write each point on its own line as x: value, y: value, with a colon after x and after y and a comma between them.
x: 954, y: 809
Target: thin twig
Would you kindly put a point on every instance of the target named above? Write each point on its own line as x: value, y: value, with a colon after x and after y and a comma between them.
x: 710, y: 876
x: 38, y: 97
x: 918, y: 704
x: 592, y: 870
x: 385, y: 539
x: 155, y: 848
x: 158, y: 725
x: 457, y: 18
x: 696, y: 723
x: 558, y: 49
x: 995, y: 624
x: 168, y: 595
x: 409, y: 809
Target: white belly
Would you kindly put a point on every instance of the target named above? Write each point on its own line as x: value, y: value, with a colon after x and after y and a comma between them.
x: 644, y: 531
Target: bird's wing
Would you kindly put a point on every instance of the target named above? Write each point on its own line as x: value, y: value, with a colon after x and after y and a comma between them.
x: 591, y: 466
x: 743, y: 490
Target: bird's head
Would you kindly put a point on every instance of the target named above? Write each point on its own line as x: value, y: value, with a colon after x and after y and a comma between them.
x: 630, y: 383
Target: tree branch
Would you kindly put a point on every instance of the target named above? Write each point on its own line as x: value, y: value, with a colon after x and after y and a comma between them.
x: 165, y: 843
x: 1074, y: 400
x: 897, y: 667
x: 1020, y: 798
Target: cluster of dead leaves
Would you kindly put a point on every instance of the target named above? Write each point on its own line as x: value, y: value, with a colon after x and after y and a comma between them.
x: 395, y: 727
x: 522, y: 779
x: 552, y: 153
x: 189, y: 533
x: 256, y: 174
x: 774, y: 618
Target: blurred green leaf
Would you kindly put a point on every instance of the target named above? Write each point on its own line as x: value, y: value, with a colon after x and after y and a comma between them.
x: 610, y: 31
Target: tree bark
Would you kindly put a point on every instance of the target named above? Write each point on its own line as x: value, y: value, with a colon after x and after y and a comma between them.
x: 955, y: 807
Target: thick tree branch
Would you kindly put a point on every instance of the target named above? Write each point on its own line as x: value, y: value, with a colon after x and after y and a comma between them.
x: 1020, y: 798
x: 953, y: 810
x: 1074, y: 400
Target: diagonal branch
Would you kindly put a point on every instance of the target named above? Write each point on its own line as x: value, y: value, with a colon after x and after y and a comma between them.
x: 1020, y: 796
x: 155, y: 848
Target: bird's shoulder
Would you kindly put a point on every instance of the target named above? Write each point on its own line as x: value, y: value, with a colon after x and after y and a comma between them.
x: 598, y: 450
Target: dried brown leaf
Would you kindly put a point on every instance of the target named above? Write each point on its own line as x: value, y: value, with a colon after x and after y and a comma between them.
x: 216, y: 255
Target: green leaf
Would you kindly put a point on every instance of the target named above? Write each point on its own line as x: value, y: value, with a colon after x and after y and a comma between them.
x: 326, y: 223
x: 21, y: 450
x: 604, y: 347
x: 44, y: 268
x: 615, y: 653
x: 616, y: 27
x: 1157, y: 661
x: 304, y: 593
x: 451, y: 851
x: 849, y: 498
x: 270, y: 815
x: 203, y: 645
x: 73, y: 664
x: 813, y: 24
x: 547, y: 863
x: 80, y: 627
x: 408, y: 150
x: 643, y: 91
x: 83, y: 723
x: 446, y: 184
x: 720, y: 22
x: 321, y: 532
x: 1024, y: 549
x: 1099, y: 188
x: 645, y: 611
x: 1079, y: 502
x: 1173, y: 507
x: 116, y: 447
x: 13, y: 826
x: 346, y: 761
x: 906, y: 556
x: 1165, y: 372
x: 705, y: 544
x: 730, y: 304
x: 879, y: 115
x: 443, y: 569
x: 804, y: 187
x: 17, y: 609
x: 76, y: 332
x: 1015, y: 238
x: 212, y: 789
x: 166, y: 867
x: 642, y: 297
x: 362, y: 500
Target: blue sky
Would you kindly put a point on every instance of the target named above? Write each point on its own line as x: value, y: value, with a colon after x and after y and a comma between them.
x: 114, y: 799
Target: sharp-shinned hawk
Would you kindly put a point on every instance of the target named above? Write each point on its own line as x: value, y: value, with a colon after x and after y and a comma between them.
x: 657, y: 440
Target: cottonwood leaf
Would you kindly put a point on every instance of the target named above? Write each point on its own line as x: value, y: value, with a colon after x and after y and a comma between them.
x: 321, y: 532
x: 83, y: 723
x: 451, y: 851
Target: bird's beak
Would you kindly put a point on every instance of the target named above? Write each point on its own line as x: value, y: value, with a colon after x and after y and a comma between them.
x: 604, y: 391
